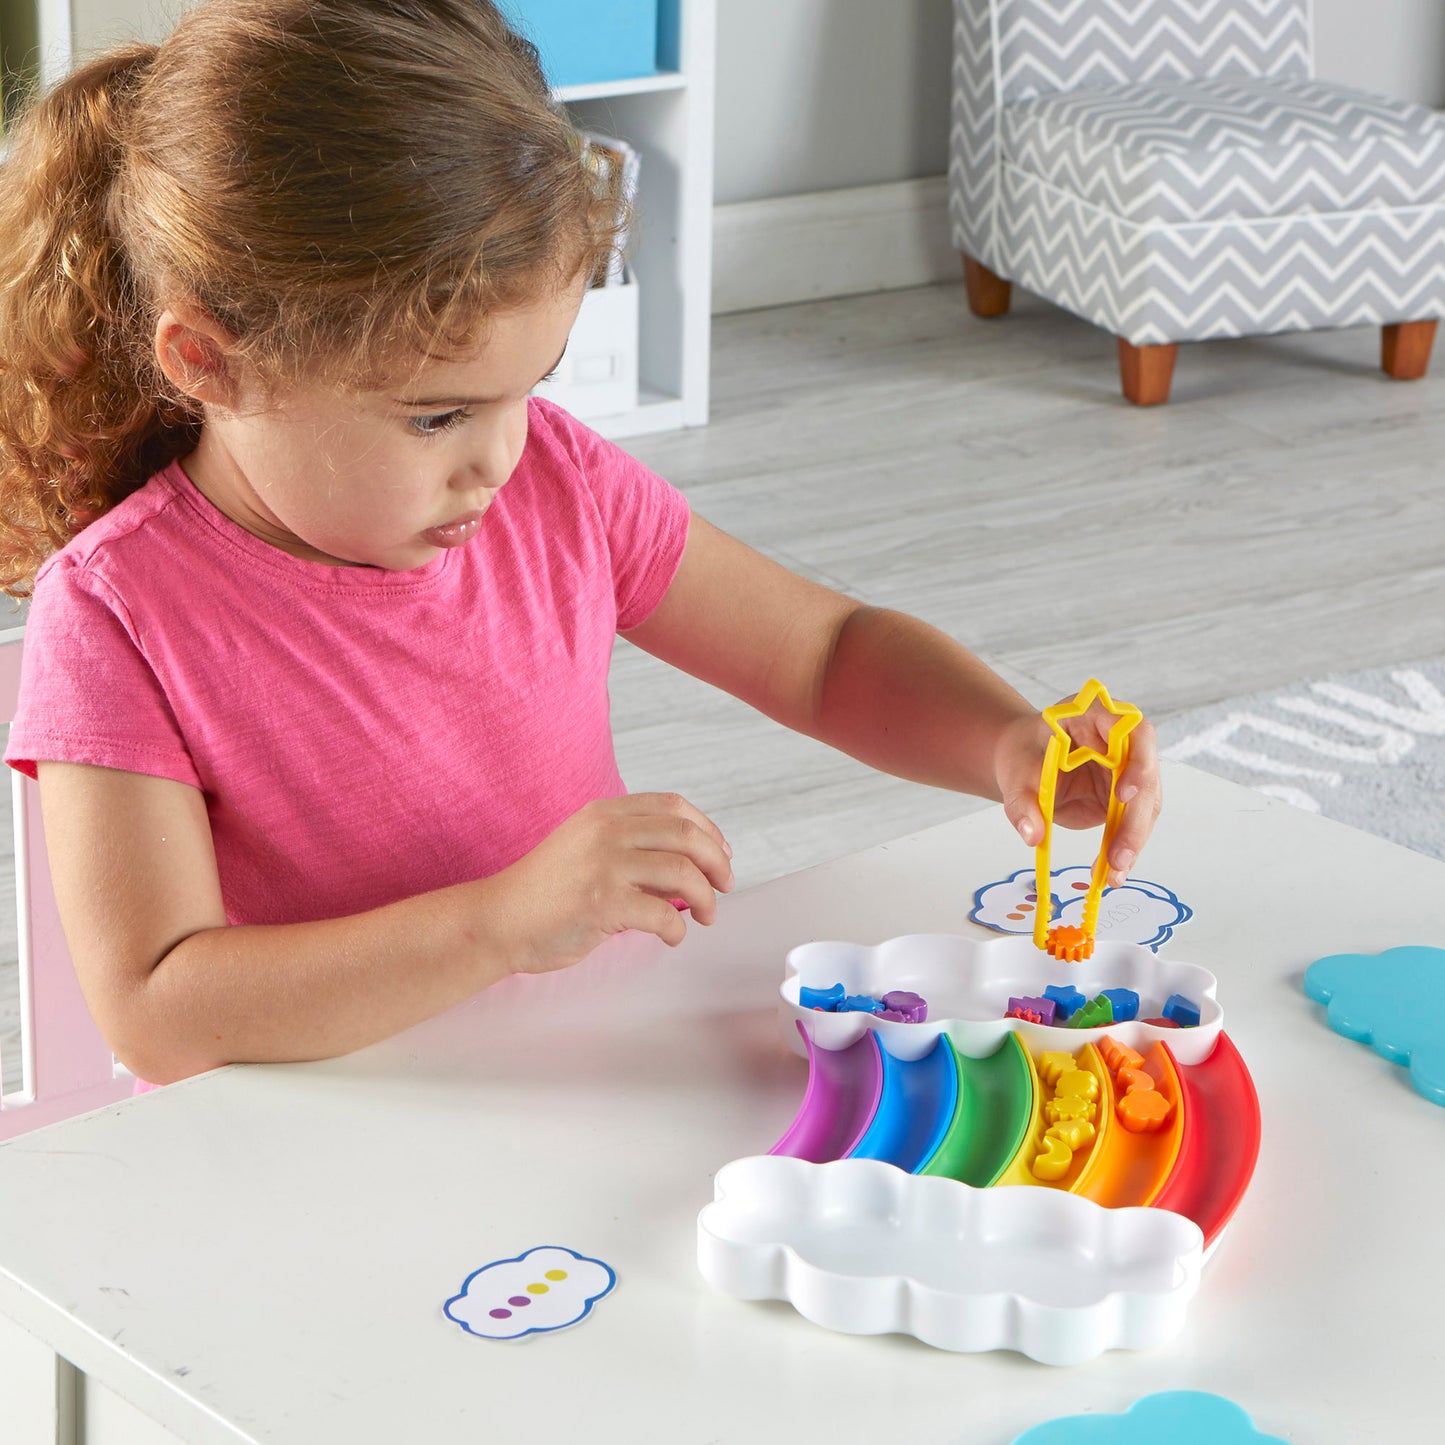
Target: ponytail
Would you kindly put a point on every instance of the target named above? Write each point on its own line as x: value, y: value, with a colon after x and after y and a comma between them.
x: 85, y: 415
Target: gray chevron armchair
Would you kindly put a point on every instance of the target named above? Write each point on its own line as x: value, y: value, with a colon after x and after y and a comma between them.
x: 1171, y: 170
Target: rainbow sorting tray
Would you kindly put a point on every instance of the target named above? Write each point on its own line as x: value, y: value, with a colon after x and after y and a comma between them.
x: 884, y: 1208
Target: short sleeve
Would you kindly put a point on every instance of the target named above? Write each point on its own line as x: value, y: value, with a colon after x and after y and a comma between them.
x: 87, y: 693
x: 644, y: 517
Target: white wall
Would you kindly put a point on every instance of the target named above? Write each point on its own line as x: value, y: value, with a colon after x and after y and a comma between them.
x: 814, y: 95
x: 98, y: 23
x: 818, y: 94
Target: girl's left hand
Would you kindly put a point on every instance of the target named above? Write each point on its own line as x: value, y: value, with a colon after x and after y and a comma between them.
x: 1082, y: 796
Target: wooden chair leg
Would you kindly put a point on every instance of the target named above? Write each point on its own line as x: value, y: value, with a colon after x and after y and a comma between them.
x: 988, y: 295
x: 1405, y: 349
x: 1146, y: 372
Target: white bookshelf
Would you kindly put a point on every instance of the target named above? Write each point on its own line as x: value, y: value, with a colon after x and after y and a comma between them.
x: 668, y: 118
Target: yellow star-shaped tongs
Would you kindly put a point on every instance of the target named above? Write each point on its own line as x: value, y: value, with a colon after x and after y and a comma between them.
x: 1063, y: 940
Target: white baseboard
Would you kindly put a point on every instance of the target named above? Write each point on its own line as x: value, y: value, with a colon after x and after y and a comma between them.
x: 831, y: 243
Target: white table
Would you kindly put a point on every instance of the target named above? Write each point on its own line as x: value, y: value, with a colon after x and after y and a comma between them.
x: 262, y: 1254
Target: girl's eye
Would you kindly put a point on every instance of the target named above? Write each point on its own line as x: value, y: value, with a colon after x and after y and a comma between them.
x: 430, y: 426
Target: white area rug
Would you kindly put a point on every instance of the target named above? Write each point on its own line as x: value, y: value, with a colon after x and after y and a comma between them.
x: 1366, y: 748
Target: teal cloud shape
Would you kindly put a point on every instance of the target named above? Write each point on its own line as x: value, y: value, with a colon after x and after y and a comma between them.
x: 1387, y: 1000
x: 1180, y: 1417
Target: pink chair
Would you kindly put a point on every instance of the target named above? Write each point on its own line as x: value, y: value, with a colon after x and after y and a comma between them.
x: 67, y: 1067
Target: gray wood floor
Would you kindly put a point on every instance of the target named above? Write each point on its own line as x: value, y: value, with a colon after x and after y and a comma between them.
x: 1281, y: 518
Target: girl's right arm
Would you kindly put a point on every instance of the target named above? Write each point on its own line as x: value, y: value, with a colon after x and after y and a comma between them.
x: 177, y: 990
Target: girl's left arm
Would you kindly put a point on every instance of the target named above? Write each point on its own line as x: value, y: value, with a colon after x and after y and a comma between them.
x: 879, y: 685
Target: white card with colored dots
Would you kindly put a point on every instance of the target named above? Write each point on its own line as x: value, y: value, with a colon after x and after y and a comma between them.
x: 547, y: 1288
x: 1138, y: 912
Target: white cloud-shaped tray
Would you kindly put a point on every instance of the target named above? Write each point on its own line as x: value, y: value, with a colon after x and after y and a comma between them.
x: 861, y: 1247
x: 969, y: 981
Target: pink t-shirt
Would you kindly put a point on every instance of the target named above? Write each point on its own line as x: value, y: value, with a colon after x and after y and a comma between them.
x: 360, y: 736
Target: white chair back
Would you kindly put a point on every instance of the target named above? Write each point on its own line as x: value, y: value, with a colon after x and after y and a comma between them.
x: 67, y: 1067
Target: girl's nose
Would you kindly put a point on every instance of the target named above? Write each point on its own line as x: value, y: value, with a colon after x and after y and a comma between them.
x: 493, y: 455
x: 488, y: 466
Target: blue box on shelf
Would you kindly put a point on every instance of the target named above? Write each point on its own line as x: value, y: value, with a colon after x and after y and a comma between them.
x: 584, y: 42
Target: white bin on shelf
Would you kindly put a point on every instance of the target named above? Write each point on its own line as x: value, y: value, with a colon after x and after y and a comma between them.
x: 598, y: 374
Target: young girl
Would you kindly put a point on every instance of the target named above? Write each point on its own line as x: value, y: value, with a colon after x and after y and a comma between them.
x: 316, y: 668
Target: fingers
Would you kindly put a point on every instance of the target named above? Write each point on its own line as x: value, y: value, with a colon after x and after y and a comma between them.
x: 1141, y: 792
x: 1016, y: 763
x: 655, y: 854
x: 1082, y: 795
x: 674, y: 879
x: 1024, y: 813
x: 665, y: 822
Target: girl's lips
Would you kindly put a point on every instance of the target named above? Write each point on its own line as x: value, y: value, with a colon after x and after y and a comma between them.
x: 454, y: 533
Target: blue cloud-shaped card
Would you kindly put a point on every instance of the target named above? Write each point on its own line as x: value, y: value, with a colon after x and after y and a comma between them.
x: 1137, y: 912
x: 1390, y: 1001
x: 1180, y: 1417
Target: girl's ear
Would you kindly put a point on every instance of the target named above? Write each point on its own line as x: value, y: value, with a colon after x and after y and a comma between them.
x: 197, y: 354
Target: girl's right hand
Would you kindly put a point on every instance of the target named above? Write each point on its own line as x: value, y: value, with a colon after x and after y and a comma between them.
x: 615, y: 864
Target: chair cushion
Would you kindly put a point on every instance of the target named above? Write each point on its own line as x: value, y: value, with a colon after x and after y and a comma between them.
x: 1204, y: 150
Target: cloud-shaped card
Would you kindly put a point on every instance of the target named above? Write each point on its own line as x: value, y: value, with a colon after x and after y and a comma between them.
x: 547, y: 1288
x: 1182, y: 1417
x: 1385, y: 1000
x: 1137, y: 912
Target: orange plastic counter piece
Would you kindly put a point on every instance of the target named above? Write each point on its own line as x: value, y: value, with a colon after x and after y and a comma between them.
x: 1129, y: 1167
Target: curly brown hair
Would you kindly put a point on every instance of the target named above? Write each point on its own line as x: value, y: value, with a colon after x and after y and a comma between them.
x: 346, y: 186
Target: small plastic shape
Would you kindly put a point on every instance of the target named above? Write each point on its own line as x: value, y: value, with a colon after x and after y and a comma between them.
x: 1098, y: 1013
x: 1069, y: 943
x: 1174, y: 1417
x: 1181, y: 1010
x: 1141, y: 1108
x: 1128, y: 1167
x: 1161, y: 1023
x: 1391, y: 1001
x: 1067, y: 1000
x: 859, y: 1003
x: 1124, y: 1001
x: 826, y: 999
x: 859, y: 1247
x: 968, y: 981
x: 543, y: 1289
x: 1069, y: 1117
x: 905, y: 1006
x: 1119, y: 1055
x: 1062, y: 755
x: 1036, y: 1010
